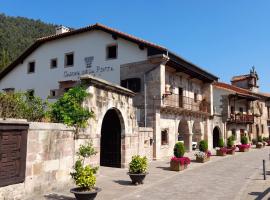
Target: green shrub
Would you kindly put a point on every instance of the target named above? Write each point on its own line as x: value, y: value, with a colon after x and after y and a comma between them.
x: 22, y: 105
x: 179, y: 150
x: 84, y: 175
x: 244, y: 140
x: 260, y: 138
x: 265, y: 139
x: 220, y: 143
x: 203, y: 146
x: 230, y: 142
x: 68, y: 109
x: 138, y: 165
x: 233, y: 137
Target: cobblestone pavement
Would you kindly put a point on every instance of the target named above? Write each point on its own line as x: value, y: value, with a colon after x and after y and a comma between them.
x: 231, y: 177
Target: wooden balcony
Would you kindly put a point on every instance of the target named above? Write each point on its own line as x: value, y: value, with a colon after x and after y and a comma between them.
x: 241, y: 118
x: 186, y: 103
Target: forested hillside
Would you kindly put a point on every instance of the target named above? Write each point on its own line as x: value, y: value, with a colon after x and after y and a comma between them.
x: 18, y: 33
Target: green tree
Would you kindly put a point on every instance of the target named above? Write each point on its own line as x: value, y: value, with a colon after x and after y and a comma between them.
x: 68, y: 109
x: 4, y: 59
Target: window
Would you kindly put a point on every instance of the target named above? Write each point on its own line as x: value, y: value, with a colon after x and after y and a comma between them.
x: 9, y: 90
x: 232, y: 110
x: 31, y: 92
x: 53, y: 93
x: 31, y: 67
x: 241, y: 110
x: 111, y: 52
x: 69, y: 59
x: 133, y: 84
x: 195, y: 97
x: 164, y: 137
x: 262, y: 127
x: 53, y: 63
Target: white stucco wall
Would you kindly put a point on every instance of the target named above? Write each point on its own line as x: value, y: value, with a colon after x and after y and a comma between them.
x: 83, y: 45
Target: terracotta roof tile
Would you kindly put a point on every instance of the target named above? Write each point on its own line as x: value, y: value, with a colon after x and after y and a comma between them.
x: 240, y: 78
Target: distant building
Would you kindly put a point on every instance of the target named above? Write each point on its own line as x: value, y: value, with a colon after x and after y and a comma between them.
x: 240, y: 108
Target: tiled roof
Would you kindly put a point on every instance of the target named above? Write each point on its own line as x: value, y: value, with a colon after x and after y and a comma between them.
x: 240, y: 78
x: 239, y: 90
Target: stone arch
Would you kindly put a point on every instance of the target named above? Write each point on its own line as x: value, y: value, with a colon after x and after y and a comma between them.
x: 112, y: 129
x: 196, y: 131
x: 184, y: 134
x: 216, y: 136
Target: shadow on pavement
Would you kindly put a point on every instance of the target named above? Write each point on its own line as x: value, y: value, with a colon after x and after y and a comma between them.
x: 58, y: 197
x: 123, y: 182
x: 164, y: 168
x: 260, y: 195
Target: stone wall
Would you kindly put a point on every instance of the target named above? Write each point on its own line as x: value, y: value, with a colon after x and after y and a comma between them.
x: 49, y: 160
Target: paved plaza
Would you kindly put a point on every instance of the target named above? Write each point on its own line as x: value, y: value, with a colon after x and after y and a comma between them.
x: 230, y: 177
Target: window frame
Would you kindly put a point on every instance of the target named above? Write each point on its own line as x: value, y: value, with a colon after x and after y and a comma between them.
x: 166, y: 142
x: 28, y: 67
x: 67, y: 54
x: 51, y: 66
x: 107, y: 51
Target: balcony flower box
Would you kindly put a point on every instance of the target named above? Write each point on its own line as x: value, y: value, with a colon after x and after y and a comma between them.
x: 231, y: 150
x: 243, y: 147
x: 221, y: 151
x: 179, y: 164
x: 259, y: 145
x: 203, y: 157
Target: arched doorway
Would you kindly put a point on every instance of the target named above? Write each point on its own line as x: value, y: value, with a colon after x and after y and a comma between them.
x: 196, y: 132
x: 216, y: 136
x: 110, y: 145
x: 183, y: 134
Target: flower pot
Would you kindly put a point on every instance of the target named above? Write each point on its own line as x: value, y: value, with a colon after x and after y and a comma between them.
x: 243, y: 149
x: 85, y: 195
x: 176, y: 166
x: 202, y: 159
x: 231, y: 151
x: 221, y: 153
x: 259, y: 146
x: 137, y: 178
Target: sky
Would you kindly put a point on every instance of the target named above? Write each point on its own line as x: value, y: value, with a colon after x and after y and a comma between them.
x: 224, y: 37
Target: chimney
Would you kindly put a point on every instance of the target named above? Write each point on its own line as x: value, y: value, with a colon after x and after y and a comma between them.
x: 61, y: 29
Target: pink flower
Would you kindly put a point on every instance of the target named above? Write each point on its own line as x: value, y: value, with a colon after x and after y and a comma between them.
x: 182, y: 160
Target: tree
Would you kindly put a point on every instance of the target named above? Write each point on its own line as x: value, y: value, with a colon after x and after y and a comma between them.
x: 4, y: 59
x: 68, y: 109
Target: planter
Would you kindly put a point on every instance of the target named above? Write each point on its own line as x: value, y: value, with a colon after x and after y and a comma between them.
x: 202, y: 159
x: 176, y: 166
x: 85, y: 195
x: 231, y: 151
x: 137, y: 178
x: 259, y: 146
x: 243, y: 149
x: 221, y: 153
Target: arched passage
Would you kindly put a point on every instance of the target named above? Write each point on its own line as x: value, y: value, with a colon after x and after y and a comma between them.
x: 110, y: 145
x: 216, y: 136
x: 183, y: 134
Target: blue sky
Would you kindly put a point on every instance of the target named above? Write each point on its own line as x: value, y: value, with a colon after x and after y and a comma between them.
x: 225, y: 37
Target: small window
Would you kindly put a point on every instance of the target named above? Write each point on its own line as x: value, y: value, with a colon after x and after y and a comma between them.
x: 133, y: 84
x: 53, y: 93
x: 31, y: 67
x: 195, y: 97
x: 69, y: 59
x: 31, y: 92
x: 164, y: 137
x: 111, y: 52
x: 232, y: 110
x: 9, y: 90
x: 53, y: 63
x: 262, y: 127
x: 241, y: 110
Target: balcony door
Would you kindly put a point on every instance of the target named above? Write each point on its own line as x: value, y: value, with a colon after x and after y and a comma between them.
x: 180, y: 97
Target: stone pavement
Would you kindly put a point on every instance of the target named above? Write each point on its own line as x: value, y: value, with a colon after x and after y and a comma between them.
x: 231, y: 177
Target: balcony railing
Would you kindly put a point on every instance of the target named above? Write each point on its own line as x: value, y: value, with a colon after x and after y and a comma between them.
x: 241, y: 118
x: 175, y: 100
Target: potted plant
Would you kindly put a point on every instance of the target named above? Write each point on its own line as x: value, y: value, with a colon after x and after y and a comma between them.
x: 230, y: 146
x: 203, y: 155
x: 221, y: 150
x: 179, y: 162
x: 138, y: 169
x: 244, y: 146
x: 84, y: 175
x: 259, y: 144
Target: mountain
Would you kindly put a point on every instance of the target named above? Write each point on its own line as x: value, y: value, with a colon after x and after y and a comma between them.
x: 18, y: 33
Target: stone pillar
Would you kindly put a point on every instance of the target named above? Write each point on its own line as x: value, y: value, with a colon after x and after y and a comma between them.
x: 190, y: 142
x: 156, y: 136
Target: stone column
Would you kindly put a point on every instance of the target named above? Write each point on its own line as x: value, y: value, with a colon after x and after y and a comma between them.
x: 190, y: 142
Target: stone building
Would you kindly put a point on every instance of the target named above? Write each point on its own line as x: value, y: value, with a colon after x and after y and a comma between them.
x: 240, y: 108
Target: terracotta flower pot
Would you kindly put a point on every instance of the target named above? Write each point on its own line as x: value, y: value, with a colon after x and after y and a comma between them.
x: 221, y: 153
x: 202, y: 160
x: 231, y: 151
x: 243, y: 149
x: 176, y: 166
x: 259, y: 146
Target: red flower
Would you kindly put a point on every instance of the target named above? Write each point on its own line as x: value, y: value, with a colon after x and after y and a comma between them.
x: 182, y: 160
